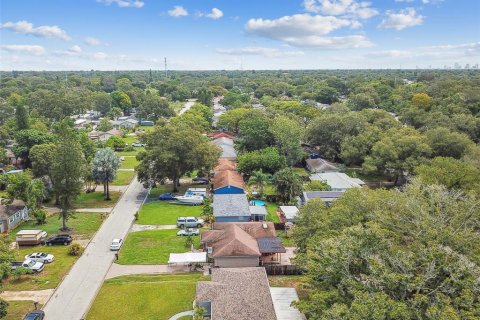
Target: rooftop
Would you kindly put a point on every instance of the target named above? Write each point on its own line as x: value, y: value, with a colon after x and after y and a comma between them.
x: 320, y: 165
x: 337, y: 180
x: 258, y: 210
x: 230, y: 205
x: 228, y: 178
x: 223, y: 141
x: 225, y: 164
x: 228, y: 151
x: 237, y: 293
x: 9, y: 209
x: 290, y: 212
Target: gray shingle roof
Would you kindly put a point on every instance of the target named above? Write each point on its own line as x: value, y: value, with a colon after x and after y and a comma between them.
x: 231, y: 205
x: 271, y: 245
x: 258, y: 210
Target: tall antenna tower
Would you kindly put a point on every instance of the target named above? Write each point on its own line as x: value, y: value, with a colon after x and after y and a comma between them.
x: 166, y: 74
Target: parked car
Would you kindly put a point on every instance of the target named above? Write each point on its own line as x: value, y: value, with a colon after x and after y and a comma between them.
x: 41, y: 257
x: 116, y: 244
x: 189, y: 222
x: 64, y: 239
x: 188, y: 232
x: 29, y: 264
x: 35, y: 315
x: 166, y: 197
x: 200, y: 180
x: 138, y: 144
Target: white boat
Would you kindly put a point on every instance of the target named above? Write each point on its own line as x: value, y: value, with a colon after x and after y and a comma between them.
x: 190, y: 199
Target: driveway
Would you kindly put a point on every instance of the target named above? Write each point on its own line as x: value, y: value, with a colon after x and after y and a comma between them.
x: 76, y: 293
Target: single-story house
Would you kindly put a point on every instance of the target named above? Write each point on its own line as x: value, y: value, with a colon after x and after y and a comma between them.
x: 228, y: 152
x: 115, y: 132
x: 124, y: 123
x: 228, y: 182
x: 243, y: 244
x: 147, y: 123
x: 103, y: 136
x: 288, y: 212
x: 338, y: 181
x: 225, y: 164
x: 326, y: 196
x: 231, y: 208
x: 12, y: 214
x: 258, y: 213
x: 81, y: 122
x: 239, y: 293
x: 223, y: 141
x: 319, y: 165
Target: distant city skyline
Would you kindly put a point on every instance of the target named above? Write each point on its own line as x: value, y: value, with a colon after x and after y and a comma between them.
x: 216, y: 35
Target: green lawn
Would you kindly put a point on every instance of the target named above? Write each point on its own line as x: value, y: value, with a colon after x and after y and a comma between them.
x: 301, y: 172
x: 95, y: 199
x: 128, y: 163
x: 272, y: 212
x: 18, y: 309
x: 166, y: 188
x: 153, y: 247
x: 131, y: 153
x: 146, y: 128
x: 160, y: 212
x: 130, y: 139
x: 50, y: 277
x: 286, y: 241
x: 83, y: 226
x: 145, y: 297
x: 123, y: 178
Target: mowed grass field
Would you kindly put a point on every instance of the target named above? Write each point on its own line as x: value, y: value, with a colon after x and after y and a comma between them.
x: 161, y: 212
x: 153, y: 246
x: 96, y: 199
x: 18, y: 309
x: 123, y: 178
x: 128, y: 163
x: 145, y: 297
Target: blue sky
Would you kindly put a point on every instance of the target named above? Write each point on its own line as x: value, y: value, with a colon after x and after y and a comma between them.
x: 248, y: 34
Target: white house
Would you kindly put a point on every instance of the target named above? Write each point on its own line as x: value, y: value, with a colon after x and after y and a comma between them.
x: 338, y: 181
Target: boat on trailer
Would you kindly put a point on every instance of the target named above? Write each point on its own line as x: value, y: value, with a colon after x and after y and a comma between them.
x: 190, y: 199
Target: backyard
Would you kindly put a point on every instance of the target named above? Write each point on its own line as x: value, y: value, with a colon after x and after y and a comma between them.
x: 297, y: 282
x: 145, y: 297
x: 272, y: 212
x: 159, y: 212
x: 153, y: 246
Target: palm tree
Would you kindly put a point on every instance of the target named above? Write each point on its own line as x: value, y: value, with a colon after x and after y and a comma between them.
x: 259, y: 179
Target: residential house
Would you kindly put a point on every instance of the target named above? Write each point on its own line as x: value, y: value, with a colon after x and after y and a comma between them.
x: 243, y: 244
x: 289, y: 213
x: 319, y: 165
x: 231, y: 208
x: 326, y: 196
x: 338, y: 181
x: 81, y: 123
x: 12, y: 214
x: 228, y: 182
x: 224, y: 165
x: 228, y: 152
x: 258, y: 213
x: 239, y: 293
x: 122, y: 123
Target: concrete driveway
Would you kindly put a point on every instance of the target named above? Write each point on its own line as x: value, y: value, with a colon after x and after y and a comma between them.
x: 76, y: 293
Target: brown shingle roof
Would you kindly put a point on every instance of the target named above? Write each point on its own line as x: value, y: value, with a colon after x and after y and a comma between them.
x: 238, y: 293
x: 7, y: 210
x: 225, y: 164
x: 228, y: 178
x: 237, y: 239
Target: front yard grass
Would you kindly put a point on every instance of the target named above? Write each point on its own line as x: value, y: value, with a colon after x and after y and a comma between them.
x: 96, y: 199
x: 153, y: 246
x: 83, y: 226
x: 50, y: 277
x: 18, y: 309
x: 123, y: 178
x: 130, y: 153
x: 145, y: 297
x: 128, y: 163
x: 159, y: 212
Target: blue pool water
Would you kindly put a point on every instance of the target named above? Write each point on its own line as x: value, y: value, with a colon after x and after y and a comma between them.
x: 257, y: 203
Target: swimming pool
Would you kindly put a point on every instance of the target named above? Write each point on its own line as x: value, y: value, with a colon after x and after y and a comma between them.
x: 257, y: 202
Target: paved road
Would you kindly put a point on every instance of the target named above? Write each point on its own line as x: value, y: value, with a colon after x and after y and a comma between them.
x: 74, y: 296
x: 187, y: 106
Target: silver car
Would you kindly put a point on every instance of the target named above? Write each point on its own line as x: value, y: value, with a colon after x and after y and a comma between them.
x: 40, y: 257
x: 188, y: 232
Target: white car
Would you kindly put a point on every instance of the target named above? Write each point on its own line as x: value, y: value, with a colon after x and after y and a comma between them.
x: 116, y: 244
x: 40, y: 257
x: 188, y: 232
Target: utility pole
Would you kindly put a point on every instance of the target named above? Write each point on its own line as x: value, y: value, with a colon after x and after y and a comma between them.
x: 166, y: 74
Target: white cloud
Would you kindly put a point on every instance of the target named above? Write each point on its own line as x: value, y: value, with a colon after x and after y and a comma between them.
x: 431, y: 52
x: 215, y: 14
x: 261, y: 51
x: 401, y: 19
x: 351, y: 8
x: 178, y: 11
x: 305, y: 30
x: 92, y: 41
x: 29, y: 49
x: 26, y: 27
x: 124, y: 3
x: 75, y: 49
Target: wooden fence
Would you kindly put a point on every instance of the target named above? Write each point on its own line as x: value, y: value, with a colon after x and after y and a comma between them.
x: 285, y: 270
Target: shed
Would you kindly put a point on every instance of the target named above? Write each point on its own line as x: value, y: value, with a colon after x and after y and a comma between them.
x: 258, y: 213
x: 289, y: 212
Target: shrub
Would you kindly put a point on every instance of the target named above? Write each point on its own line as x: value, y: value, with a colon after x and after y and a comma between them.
x: 20, y: 271
x: 75, y: 249
x: 136, y: 216
x: 188, y: 242
x: 130, y: 148
x: 40, y: 216
x: 3, y: 308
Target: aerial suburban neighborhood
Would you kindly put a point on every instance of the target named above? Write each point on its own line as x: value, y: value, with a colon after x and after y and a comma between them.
x: 222, y: 160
